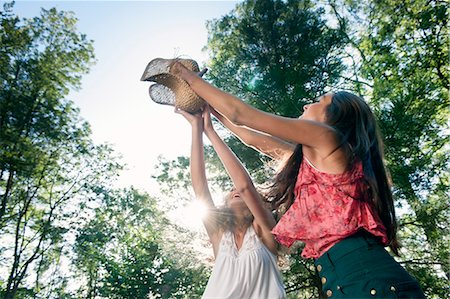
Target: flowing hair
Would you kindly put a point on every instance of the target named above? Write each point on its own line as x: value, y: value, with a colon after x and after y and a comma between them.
x: 355, y: 123
x: 223, y: 217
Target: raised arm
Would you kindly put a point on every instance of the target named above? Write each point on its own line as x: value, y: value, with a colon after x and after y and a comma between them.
x: 198, y: 174
x: 316, y: 135
x: 271, y: 146
x: 243, y: 184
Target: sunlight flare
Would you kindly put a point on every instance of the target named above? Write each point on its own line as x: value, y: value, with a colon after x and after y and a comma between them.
x: 191, y: 215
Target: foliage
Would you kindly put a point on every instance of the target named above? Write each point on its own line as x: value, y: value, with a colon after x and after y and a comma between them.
x: 47, y: 161
x: 174, y: 183
x: 55, y: 184
x: 57, y: 206
x: 276, y: 54
x: 122, y: 254
x: 65, y: 233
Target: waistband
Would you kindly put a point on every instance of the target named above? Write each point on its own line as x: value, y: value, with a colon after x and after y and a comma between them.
x: 347, y: 246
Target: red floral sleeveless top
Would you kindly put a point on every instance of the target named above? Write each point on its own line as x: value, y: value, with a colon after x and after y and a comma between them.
x: 328, y: 208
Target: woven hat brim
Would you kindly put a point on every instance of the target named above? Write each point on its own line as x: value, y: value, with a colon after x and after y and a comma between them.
x: 160, y: 66
x: 176, y: 92
x: 161, y: 94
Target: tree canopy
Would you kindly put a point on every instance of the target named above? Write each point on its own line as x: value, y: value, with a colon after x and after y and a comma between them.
x: 66, y: 232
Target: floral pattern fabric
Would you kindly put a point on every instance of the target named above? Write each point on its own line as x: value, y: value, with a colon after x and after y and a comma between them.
x: 328, y: 208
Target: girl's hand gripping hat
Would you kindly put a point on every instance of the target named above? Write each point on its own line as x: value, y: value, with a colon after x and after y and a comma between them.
x: 170, y: 89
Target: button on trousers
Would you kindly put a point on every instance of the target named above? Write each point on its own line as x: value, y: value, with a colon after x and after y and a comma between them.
x: 359, y: 267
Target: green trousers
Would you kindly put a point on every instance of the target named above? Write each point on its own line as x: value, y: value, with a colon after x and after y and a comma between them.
x: 359, y: 267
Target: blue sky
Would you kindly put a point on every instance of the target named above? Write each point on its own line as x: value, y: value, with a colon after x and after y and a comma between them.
x: 127, y: 35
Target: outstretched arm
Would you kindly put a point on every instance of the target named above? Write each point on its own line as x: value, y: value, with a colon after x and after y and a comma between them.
x: 316, y: 135
x: 198, y: 174
x: 243, y: 183
x: 271, y: 146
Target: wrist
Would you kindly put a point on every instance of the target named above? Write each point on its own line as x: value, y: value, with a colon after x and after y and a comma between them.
x: 209, y: 132
x: 208, y: 129
x: 197, y: 126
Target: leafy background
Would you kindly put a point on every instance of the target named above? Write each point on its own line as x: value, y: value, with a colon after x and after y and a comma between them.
x: 67, y: 232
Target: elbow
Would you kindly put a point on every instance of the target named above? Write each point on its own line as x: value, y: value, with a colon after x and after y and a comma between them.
x: 235, y: 110
x: 244, y: 187
x: 235, y: 116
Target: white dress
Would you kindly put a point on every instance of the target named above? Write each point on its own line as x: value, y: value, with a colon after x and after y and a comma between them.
x: 250, y: 273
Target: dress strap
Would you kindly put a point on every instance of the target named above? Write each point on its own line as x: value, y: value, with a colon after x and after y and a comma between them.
x: 310, y: 164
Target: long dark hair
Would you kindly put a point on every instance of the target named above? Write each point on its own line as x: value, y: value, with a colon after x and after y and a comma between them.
x: 354, y: 121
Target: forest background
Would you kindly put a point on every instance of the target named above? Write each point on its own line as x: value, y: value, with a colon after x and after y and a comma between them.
x: 67, y: 231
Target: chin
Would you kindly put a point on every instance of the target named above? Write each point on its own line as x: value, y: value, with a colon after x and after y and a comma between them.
x: 236, y: 203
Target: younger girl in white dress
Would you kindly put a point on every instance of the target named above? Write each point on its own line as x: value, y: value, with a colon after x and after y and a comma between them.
x: 244, y: 247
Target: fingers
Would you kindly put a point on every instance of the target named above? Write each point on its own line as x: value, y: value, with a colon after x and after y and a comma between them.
x: 177, y: 67
x: 185, y: 114
x: 196, y: 117
x: 179, y: 111
x: 207, y: 117
x: 206, y: 109
x: 206, y: 114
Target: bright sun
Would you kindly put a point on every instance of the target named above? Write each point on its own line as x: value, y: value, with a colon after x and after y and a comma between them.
x: 191, y: 215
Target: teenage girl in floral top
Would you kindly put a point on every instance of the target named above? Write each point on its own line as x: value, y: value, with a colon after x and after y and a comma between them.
x: 333, y: 190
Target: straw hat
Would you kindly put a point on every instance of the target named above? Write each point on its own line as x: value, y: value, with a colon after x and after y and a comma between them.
x: 170, y: 89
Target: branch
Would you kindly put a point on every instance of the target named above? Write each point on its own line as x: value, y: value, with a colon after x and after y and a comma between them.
x: 357, y: 81
x: 341, y: 21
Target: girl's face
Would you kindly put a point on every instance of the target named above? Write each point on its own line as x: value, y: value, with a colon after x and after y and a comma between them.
x: 317, y: 110
x: 234, y: 199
